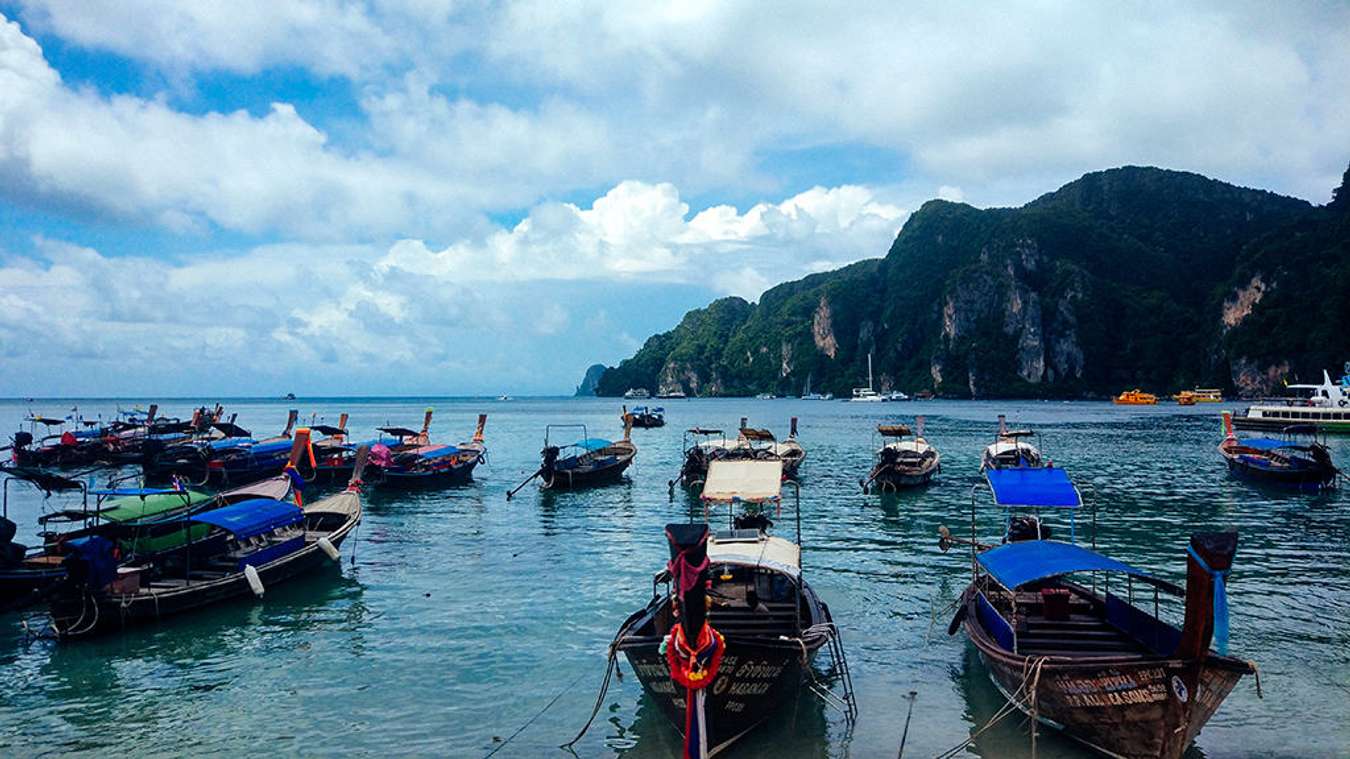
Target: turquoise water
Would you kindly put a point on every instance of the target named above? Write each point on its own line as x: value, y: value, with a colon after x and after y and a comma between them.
x: 464, y: 614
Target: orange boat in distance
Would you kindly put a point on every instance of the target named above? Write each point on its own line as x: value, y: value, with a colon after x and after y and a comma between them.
x: 1185, y: 398
x: 1135, y: 397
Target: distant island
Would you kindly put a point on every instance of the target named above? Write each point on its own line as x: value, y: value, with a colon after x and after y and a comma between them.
x: 1131, y: 277
x: 591, y: 381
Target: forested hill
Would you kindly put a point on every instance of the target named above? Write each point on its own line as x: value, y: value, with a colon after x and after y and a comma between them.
x: 1132, y: 277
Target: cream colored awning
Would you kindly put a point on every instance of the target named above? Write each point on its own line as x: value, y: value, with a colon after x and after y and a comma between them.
x: 764, y: 551
x: 743, y: 481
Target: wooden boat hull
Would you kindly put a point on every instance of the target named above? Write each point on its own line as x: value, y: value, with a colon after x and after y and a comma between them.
x: 1134, y: 707
x: 428, y: 478
x: 1300, y: 480
x: 757, y: 676
x: 598, y: 468
x: 584, y: 478
x: 894, y: 478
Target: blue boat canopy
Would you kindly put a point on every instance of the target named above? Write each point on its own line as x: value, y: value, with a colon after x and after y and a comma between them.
x: 438, y: 452
x: 593, y: 443
x: 138, y: 491
x: 1267, y: 444
x: 253, y: 517
x: 230, y: 442
x: 1033, y: 487
x: 1016, y: 564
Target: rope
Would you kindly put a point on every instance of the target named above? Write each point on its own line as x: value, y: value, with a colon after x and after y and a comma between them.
x: 1257, y: 673
x: 604, y: 688
x: 913, y: 695
x: 536, y: 716
x: 1031, y: 671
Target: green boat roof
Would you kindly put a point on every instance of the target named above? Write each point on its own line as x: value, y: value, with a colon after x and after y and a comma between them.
x: 134, y: 507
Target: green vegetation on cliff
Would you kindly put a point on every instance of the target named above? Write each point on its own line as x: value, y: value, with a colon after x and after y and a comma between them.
x: 1123, y: 278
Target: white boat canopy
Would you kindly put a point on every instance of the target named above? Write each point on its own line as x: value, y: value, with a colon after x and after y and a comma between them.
x: 743, y: 481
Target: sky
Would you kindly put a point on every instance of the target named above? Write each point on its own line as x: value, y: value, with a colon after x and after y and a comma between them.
x: 401, y: 197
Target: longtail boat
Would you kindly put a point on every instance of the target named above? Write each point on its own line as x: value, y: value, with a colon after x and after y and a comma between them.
x: 1010, y: 448
x: 1082, y: 659
x: 334, y: 456
x: 136, y: 516
x: 902, y: 463
x: 1285, y: 463
x: 262, y: 541
x: 734, y: 634
x: 584, y: 463
x: 1094, y: 665
x: 702, y: 446
x: 232, y: 458
x: 646, y: 418
x: 420, y: 463
x: 80, y: 445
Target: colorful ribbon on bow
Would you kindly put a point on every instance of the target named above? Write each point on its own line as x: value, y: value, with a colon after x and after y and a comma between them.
x: 1220, y: 602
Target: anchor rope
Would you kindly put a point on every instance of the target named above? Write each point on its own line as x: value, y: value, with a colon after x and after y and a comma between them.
x: 1031, y: 673
x: 536, y: 716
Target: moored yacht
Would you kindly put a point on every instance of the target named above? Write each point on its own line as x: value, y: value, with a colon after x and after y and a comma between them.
x: 867, y: 394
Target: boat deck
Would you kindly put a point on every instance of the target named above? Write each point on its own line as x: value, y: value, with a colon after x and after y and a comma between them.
x: 1084, y: 633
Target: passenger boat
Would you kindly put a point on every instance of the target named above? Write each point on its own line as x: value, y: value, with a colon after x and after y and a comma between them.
x: 1135, y: 397
x: 902, y: 463
x: 1010, y: 449
x: 261, y: 542
x: 425, y: 464
x: 645, y: 418
x: 1207, y: 395
x: 733, y: 635
x: 1325, y: 406
x: 1185, y: 398
x: 637, y: 393
x: 1285, y: 463
x: 586, y: 462
x: 1084, y: 660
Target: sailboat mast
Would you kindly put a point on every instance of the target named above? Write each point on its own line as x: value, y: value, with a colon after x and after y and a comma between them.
x: 869, y: 370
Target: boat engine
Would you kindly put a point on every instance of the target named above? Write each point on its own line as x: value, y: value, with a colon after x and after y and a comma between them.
x: 759, y: 522
x: 1026, y: 528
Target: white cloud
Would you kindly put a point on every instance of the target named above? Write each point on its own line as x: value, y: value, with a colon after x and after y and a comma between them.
x: 244, y: 36
x: 642, y: 231
x: 530, y: 299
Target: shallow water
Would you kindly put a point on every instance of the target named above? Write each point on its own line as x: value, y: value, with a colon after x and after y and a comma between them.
x: 465, y: 615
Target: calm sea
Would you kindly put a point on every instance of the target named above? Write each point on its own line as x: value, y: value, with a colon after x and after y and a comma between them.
x: 464, y: 614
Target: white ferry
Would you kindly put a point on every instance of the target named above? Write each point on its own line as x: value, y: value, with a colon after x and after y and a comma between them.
x: 1325, y: 406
